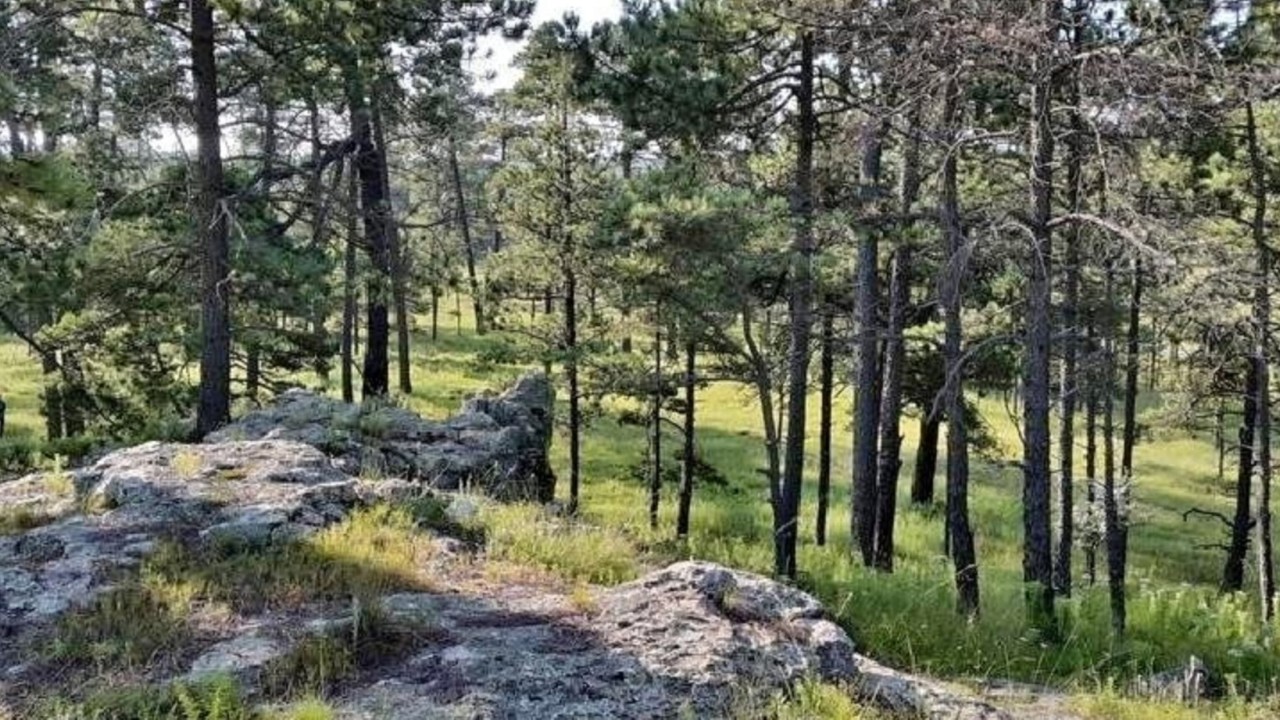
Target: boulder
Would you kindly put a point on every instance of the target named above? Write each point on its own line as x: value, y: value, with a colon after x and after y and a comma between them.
x: 496, y: 444
x: 1187, y: 683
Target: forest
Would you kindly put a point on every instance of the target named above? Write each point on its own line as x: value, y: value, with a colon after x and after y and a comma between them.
x: 956, y: 314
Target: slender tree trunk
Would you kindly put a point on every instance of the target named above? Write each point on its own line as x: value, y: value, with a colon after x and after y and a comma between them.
x: 655, y: 426
x: 398, y: 263
x: 211, y: 229
x: 891, y: 409
x: 468, y: 247
x: 320, y: 206
x: 435, y: 313
x: 1070, y: 305
x: 1262, y: 365
x: 826, y: 390
x: 1242, y: 522
x: 867, y: 385
x: 801, y: 300
x: 1091, y: 448
x: 373, y: 204
x: 764, y: 390
x: 349, y: 290
x: 52, y: 395
x: 959, y: 535
x: 569, y: 259
x: 690, y: 446
x: 75, y: 401
x: 922, y: 483
x: 1037, y: 561
x: 1113, y: 518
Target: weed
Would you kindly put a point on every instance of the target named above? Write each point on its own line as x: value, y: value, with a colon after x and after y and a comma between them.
x: 187, y: 464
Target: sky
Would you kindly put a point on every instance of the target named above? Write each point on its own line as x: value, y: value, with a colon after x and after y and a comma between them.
x: 504, y: 51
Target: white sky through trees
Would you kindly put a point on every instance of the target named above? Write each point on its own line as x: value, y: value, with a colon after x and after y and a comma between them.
x: 503, y: 52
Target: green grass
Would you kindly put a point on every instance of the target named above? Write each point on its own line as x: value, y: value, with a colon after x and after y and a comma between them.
x: 906, y: 619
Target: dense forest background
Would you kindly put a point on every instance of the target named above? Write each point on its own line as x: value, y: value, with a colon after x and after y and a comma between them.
x: 957, y: 313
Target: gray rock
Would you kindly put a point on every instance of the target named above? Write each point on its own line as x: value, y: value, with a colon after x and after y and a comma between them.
x: 241, y: 657
x: 497, y: 444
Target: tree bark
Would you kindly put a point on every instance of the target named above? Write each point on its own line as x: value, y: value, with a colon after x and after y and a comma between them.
x: 655, y: 426
x: 1262, y: 365
x: 959, y: 536
x: 396, y: 259
x: 690, y: 446
x: 468, y: 247
x: 801, y: 300
x: 1091, y: 448
x: 891, y: 408
x: 826, y: 390
x: 1242, y: 522
x: 349, y: 299
x: 1037, y: 560
x: 1068, y: 387
x: 373, y: 210
x: 211, y: 228
x: 867, y: 386
x: 922, y: 483
x: 1113, y: 519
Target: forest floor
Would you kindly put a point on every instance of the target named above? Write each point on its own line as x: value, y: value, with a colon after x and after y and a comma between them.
x: 905, y: 619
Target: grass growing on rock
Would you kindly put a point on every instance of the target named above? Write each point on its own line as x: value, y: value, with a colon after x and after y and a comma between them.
x: 526, y: 535
x: 373, y: 552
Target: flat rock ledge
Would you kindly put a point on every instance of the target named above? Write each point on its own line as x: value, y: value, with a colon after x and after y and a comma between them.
x: 496, y: 444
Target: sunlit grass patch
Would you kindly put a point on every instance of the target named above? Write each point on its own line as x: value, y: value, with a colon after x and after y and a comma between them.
x: 373, y: 552
x: 525, y: 534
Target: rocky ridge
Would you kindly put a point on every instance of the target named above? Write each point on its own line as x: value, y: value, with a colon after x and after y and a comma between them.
x: 482, y: 641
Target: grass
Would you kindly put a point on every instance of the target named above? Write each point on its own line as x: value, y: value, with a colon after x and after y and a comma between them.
x: 906, y: 619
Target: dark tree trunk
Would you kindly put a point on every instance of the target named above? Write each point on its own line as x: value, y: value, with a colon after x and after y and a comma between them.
x: 926, y: 458
x: 959, y: 536
x: 320, y: 208
x: 252, y: 370
x: 211, y: 229
x: 468, y: 247
x: 52, y: 396
x: 1262, y: 364
x: 1113, y: 520
x: 826, y: 390
x: 569, y: 261
x: 891, y: 409
x: 655, y: 426
x: 1037, y: 560
x: 1091, y: 447
x: 349, y: 299
x: 373, y: 210
x: 75, y: 400
x: 1242, y: 522
x: 1070, y: 305
x: 690, y: 446
x: 867, y: 390
x: 396, y: 261
x: 801, y: 300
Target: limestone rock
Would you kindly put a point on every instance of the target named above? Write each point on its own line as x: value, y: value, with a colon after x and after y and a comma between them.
x: 497, y: 444
x: 242, y: 657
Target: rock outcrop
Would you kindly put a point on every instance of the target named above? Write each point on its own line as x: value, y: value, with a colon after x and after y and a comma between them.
x: 691, y: 640
x: 497, y: 444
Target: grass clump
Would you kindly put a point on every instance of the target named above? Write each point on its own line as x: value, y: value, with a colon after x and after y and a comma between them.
x: 215, y: 699
x: 306, y: 709
x: 432, y: 512
x: 126, y: 628
x: 373, y: 552
x: 21, y: 519
x: 1110, y: 705
x: 808, y: 700
x: 524, y: 534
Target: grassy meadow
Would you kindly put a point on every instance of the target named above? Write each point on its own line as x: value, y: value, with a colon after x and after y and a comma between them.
x: 906, y: 619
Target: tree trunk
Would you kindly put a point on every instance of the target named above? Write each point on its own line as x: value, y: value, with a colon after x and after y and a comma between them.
x: 655, y: 426
x: 801, y: 300
x: 959, y: 536
x: 1067, y: 387
x: 398, y: 263
x: 690, y: 446
x: 468, y: 247
x: 1037, y: 560
x: 75, y: 400
x: 52, y: 395
x: 826, y: 390
x: 891, y: 409
x: 1262, y: 365
x: 1113, y: 520
x: 1242, y: 522
x: 349, y: 299
x: 926, y: 458
x: 211, y: 230
x: 866, y: 391
x: 373, y: 210
x: 1091, y: 448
